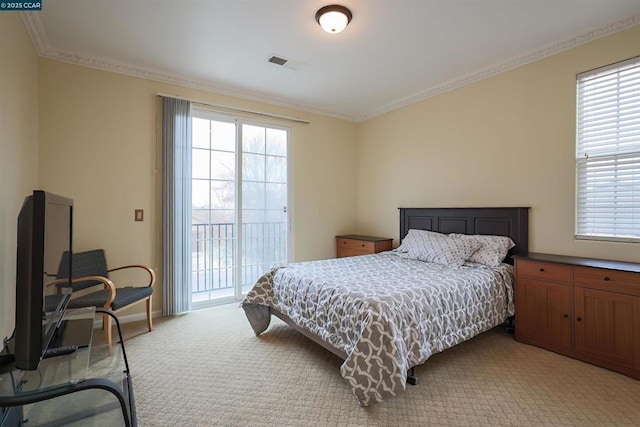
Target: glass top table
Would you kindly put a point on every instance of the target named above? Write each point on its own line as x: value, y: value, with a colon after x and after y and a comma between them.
x: 91, y: 386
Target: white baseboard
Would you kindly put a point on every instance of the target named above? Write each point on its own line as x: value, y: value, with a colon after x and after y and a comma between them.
x: 97, y: 323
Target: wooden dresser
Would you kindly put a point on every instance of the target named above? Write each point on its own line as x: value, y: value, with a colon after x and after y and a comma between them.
x: 353, y: 244
x: 584, y: 308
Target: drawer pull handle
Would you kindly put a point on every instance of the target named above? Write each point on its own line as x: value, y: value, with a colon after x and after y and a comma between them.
x: 363, y: 245
x: 566, y: 316
x: 542, y: 269
x: 344, y: 243
x: 606, y: 278
x: 579, y: 319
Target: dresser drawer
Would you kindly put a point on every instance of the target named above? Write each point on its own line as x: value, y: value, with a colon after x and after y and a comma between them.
x: 360, y: 245
x: 544, y: 270
x: 610, y: 280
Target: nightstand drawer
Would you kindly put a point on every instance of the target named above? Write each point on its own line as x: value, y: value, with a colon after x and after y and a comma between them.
x: 356, y: 244
x: 544, y: 270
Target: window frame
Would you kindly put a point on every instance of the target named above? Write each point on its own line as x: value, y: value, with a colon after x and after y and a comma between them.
x: 612, y: 159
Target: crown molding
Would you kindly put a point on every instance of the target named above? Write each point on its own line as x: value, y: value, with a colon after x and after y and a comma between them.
x: 505, y: 66
x: 38, y: 36
x: 32, y: 23
x: 43, y: 48
x: 178, y: 80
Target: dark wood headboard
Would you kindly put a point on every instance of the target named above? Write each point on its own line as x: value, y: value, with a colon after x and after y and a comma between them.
x: 512, y: 222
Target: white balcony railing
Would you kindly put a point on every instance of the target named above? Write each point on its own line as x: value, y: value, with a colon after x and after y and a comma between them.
x: 213, y: 248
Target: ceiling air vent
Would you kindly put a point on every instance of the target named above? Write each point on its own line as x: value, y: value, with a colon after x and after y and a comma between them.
x: 277, y: 60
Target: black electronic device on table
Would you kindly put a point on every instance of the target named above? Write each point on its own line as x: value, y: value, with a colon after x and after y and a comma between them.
x: 72, y: 333
x: 7, y: 359
x: 59, y: 351
x: 44, y: 236
x: 6, y: 362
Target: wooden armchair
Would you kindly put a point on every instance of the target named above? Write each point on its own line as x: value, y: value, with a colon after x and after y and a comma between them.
x: 89, y: 270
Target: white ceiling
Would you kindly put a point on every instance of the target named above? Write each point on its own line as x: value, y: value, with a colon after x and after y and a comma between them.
x: 393, y: 53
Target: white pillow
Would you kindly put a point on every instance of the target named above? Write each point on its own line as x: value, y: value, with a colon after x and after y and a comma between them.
x: 438, y: 248
x: 493, y: 249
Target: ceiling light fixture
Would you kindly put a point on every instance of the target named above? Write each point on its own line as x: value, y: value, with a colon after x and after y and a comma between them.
x: 333, y: 18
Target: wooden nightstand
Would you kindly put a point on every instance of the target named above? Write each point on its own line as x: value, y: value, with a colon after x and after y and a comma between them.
x: 353, y: 245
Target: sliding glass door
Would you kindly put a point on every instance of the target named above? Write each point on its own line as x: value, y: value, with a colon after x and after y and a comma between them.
x: 264, y: 201
x: 240, y: 219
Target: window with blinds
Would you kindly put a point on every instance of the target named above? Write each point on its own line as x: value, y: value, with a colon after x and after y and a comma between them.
x: 608, y: 153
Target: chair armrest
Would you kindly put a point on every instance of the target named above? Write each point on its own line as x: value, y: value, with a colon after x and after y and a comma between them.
x: 57, y: 282
x: 152, y: 274
x: 108, y: 284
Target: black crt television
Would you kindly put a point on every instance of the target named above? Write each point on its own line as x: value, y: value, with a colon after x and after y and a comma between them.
x: 44, y: 236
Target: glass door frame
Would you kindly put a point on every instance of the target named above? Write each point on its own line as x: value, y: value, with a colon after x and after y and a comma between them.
x: 204, y: 113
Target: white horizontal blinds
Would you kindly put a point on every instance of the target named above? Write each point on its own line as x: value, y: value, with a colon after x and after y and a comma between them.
x: 608, y: 152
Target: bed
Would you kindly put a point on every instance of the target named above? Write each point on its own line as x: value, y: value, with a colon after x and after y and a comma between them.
x: 386, y: 313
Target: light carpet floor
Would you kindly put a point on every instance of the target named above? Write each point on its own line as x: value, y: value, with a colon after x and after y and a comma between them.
x: 207, y: 368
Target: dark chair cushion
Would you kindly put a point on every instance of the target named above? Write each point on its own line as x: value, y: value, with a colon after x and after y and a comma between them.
x: 124, y: 297
x: 89, y: 263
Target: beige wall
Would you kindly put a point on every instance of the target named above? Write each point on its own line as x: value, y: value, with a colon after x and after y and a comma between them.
x: 504, y: 141
x: 99, y: 145
x: 18, y: 148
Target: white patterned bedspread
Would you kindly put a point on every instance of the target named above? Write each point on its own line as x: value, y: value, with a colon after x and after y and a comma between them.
x: 386, y: 312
